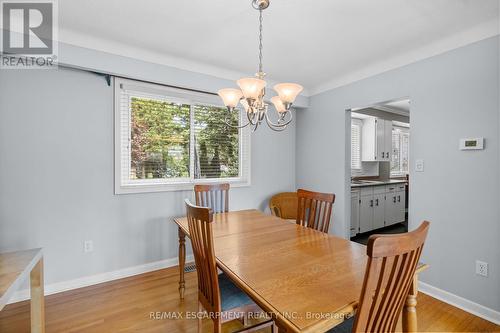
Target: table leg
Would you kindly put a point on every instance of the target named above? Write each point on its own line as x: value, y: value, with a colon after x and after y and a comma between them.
x: 182, y: 261
x: 410, y: 308
x: 37, y: 299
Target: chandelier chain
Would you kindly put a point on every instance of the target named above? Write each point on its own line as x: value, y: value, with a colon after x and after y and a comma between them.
x: 260, y: 42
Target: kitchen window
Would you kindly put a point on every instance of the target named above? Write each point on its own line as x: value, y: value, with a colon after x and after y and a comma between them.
x: 356, y: 144
x: 168, y: 139
x: 400, y: 151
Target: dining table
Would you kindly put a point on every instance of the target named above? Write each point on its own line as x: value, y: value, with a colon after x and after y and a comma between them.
x: 307, y: 280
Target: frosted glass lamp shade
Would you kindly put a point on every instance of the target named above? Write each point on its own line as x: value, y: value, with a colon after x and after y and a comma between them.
x: 230, y: 96
x: 288, y: 91
x: 251, y: 87
x: 278, y: 104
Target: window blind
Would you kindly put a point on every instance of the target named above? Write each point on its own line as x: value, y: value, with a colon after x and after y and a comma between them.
x: 216, y: 147
x: 355, y: 146
x: 167, y: 139
x: 400, y: 150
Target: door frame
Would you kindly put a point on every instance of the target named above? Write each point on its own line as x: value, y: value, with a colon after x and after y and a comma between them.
x: 347, y: 169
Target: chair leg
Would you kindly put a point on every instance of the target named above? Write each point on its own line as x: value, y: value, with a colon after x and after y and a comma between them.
x: 217, y: 325
x: 200, y: 319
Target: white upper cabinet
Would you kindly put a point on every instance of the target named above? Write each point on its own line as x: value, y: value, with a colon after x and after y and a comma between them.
x: 376, y: 140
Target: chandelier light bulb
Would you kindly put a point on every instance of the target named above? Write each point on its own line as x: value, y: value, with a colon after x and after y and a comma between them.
x: 251, y: 87
x: 278, y: 104
x: 288, y: 91
x: 230, y: 96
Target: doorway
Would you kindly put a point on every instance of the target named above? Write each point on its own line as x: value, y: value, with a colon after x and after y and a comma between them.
x: 379, y: 169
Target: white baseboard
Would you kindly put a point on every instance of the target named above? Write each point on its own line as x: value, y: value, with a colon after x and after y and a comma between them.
x: 86, y: 281
x: 460, y: 302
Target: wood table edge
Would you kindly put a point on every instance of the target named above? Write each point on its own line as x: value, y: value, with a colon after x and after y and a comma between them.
x: 255, y: 296
x: 25, y: 274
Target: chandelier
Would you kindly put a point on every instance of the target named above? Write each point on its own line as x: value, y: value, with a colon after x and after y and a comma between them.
x: 253, y: 89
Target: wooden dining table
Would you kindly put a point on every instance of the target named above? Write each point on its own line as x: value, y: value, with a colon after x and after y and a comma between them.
x: 307, y: 280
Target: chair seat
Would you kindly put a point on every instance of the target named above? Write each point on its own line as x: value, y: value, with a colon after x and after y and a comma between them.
x: 344, y: 327
x: 231, y: 296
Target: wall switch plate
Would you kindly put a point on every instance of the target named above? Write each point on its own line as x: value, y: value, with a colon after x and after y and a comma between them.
x: 419, y: 165
x: 481, y: 268
x: 88, y: 246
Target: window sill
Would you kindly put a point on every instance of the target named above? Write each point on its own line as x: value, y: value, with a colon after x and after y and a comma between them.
x: 172, y: 187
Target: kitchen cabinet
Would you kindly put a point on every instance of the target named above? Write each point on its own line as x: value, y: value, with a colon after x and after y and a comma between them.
x: 355, y: 195
x: 374, y: 207
x: 376, y: 140
x: 378, y: 211
x: 366, y: 213
x: 395, y: 204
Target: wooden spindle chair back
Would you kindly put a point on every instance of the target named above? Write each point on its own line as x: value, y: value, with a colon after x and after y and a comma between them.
x: 215, y: 196
x: 314, y: 209
x: 391, y: 265
x: 200, y: 221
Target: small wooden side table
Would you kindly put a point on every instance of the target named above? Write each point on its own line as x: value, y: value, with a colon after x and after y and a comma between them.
x: 15, y: 267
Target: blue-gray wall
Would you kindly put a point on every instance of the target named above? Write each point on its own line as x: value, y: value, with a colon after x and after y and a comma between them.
x: 56, y: 169
x: 453, y: 95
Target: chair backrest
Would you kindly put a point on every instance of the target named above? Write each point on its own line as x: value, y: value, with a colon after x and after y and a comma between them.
x: 314, y: 209
x: 389, y: 273
x: 215, y: 196
x: 284, y: 205
x: 200, y: 230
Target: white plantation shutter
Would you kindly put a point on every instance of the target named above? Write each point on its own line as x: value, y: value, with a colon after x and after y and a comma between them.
x: 405, y: 152
x: 396, y: 153
x: 355, y: 146
x: 400, y: 150
x: 158, y: 132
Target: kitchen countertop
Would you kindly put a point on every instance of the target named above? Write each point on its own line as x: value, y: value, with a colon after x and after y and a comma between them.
x: 377, y: 182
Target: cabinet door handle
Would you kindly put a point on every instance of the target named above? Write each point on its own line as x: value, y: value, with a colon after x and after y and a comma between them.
x: 394, y: 199
x: 399, y: 198
x: 371, y: 203
x: 376, y: 202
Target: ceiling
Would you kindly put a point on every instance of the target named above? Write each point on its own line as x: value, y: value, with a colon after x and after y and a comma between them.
x: 320, y: 44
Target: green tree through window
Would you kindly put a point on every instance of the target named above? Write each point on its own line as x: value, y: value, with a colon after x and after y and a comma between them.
x: 160, y: 141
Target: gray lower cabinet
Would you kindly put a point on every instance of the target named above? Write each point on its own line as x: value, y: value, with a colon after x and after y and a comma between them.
x: 375, y: 207
x: 366, y: 213
x: 354, y: 213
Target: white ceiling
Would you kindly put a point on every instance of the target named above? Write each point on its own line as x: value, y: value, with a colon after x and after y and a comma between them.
x: 317, y: 43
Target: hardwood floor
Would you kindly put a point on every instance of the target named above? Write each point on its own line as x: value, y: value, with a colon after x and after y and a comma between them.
x: 127, y: 305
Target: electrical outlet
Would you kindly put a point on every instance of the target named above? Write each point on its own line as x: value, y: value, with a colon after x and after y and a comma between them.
x: 419, y: 165
x: 88, y: 246
x: 481, y: 268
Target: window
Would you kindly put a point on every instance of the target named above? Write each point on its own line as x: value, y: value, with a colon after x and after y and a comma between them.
x: 400, y: 151
x: 168, y: 139
x: 356, y: 144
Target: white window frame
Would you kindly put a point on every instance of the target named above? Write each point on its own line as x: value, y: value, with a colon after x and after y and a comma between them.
x: 124, y: 185
x: 402, y: 128
x: 357, y: 122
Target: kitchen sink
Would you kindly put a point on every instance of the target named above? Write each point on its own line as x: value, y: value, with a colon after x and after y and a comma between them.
x: 360, y: 182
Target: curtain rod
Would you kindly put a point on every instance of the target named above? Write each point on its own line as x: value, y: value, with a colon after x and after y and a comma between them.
x: 108, y: 76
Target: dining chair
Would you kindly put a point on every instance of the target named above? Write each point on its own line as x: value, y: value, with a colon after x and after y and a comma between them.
x: 215, y: 196
x: 314, y: 209
x: 284, y: 205
x: 217, y: 294
x: 392, y: 261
